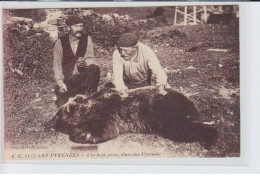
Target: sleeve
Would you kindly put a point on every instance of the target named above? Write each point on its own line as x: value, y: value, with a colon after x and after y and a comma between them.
x: 155, y: 66
x: 118, y: 72
x: 57, y: 63
x: 89, y: 55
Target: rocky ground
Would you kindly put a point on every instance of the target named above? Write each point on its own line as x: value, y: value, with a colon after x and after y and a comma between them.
x: 201, y: 61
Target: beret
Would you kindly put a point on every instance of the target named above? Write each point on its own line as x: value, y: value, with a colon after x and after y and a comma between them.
x: 127, y: 40
x: 72, y: 20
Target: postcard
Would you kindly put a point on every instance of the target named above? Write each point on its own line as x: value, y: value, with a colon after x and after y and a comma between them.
x: 144, y: 82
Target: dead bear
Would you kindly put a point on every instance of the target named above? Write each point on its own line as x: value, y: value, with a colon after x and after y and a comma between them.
x: 105, y: 115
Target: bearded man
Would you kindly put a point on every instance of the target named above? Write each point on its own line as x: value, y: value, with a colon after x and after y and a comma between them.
x: 75, y: 69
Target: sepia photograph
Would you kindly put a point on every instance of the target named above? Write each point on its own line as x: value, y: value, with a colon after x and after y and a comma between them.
x: 148, y: 82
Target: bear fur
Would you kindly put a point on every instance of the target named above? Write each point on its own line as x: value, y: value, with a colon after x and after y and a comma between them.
x: 105, y: 115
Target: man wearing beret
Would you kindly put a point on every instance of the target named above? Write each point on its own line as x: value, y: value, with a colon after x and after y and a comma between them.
x: 74, y: 67
x: 133, y: 65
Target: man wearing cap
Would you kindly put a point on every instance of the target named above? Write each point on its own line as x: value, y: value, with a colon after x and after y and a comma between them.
x: 133, y: 65
x: 74, y: 67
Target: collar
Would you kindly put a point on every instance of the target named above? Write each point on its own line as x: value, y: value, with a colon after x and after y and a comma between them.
x: 135, y: 58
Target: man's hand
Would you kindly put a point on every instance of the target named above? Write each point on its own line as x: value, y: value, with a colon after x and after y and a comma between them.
x: 123, y: 93
x: 63, y: 88
x: 161, y: 90
x: 81, y: 62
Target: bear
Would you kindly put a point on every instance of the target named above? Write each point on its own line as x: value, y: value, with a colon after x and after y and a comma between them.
x: 105, y: 115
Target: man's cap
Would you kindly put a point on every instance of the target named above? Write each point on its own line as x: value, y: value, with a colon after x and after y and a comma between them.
x: 72, y: 20
x: 127, y: 40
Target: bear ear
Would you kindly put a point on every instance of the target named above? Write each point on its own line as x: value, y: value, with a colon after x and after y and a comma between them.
x: 108, y: 95
x: 113, y: 99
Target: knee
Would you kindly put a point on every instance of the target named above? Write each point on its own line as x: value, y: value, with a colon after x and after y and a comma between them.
x: 94, y: 67
x: 90, y: 70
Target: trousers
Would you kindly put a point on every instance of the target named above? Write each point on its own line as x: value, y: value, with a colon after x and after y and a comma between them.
x: 86, y: 82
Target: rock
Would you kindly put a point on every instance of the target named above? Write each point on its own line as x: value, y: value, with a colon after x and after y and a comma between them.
x: 51, y: 28
x: 165, y: 69
x: 38, y: 25
x: 209, y: 123
x: 181, y: 89
x: 21, y: 19
x: 53, y: 22
x: 106, y: 17
x: 17, y: 71
x: 37, y: 100
x: 190, y: 67
x: 54, y: 35
x: 127, y: 17
x: 53, y: 31
x: 38, y: 107
x: 27, y: 27
x: 115, y: 15
x: 87, y: 12
x: 19, y: 25
x: 218, y: 50
x: 69, y: 12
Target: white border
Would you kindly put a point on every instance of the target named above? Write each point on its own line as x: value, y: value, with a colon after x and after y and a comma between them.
x: 29, y: 5
x: 249, y: 121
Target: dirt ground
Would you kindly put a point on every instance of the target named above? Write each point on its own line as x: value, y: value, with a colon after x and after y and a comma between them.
x: 209, y: 78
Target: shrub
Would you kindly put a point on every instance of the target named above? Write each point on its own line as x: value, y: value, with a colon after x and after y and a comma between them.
x: 105, y: 33
x: 38, y: 15
x: 29, y: 51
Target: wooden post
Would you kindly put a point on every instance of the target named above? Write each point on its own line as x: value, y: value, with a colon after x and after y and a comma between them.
x: 205, y: 13
x: 185, y: 15
x: 189, y: 18
x: 175, y: 15
x: 194, y: 15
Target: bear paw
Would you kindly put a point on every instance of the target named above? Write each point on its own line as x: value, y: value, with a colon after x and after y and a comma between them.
x: 83, y: 138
